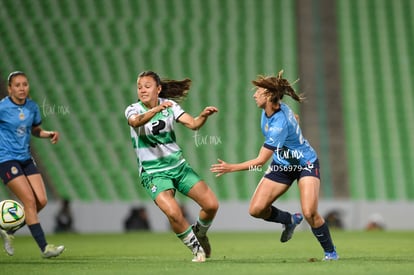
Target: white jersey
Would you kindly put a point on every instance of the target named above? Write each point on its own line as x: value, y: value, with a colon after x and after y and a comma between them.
x: 154, y: 142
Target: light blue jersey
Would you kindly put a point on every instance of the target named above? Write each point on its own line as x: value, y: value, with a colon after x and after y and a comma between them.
x: 16, y: 122
x: 284, y: 136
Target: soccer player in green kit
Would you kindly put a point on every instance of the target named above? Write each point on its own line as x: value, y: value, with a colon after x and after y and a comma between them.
x: 162, y: 166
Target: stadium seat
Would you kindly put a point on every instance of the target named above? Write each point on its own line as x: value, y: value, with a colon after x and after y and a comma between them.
x: 85, y: 56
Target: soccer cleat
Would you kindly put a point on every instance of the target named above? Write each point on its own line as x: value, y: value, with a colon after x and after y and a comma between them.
x: 52, y: 251
x: 199, y: 254
x: 8, y: 242
x: 289, y: 228
x: 204, y: 242
x: 330, y: 256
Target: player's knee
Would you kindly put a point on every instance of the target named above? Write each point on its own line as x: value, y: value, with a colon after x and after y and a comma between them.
x: 310, y: 215
x: 210, y: 209
x: 209, y: 203
x: 213, y: 206
x: 256, y: 211
x: 41, y: 203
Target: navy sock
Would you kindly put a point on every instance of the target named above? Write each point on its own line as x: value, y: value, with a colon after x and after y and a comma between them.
x: 279, y: 216
x: 324, y: 237
x: 38, y: 235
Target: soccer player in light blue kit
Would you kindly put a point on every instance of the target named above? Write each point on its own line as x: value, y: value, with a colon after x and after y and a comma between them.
x: 19, y: 119
x: 292, y: 159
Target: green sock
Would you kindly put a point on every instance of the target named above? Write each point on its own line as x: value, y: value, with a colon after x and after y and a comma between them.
x: 203, y: 226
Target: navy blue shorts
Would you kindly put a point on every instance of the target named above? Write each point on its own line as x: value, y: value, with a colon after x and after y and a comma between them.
x: 288, y: 174
x: 13, y: 168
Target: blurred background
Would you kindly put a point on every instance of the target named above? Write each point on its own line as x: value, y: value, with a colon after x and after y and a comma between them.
x: 354, y: 60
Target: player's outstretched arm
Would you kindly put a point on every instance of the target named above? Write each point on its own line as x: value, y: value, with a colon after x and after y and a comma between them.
x: 223, y: 167
x: 196, y: 123
x: 37, y: 131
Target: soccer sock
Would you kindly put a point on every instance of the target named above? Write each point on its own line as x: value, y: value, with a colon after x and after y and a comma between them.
x: 279, y: 216
x: 324, y: 237
x: 189, y: 239
x: 203, y: 226
x: 38, y: 235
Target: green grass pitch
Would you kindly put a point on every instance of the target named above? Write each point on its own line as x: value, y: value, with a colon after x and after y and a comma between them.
x: 250, y: 253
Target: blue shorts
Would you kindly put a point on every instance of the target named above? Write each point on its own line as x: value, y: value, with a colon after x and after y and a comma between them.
x: 13, y: 168
x: 288, y: 174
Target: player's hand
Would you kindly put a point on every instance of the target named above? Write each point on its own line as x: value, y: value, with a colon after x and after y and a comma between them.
x: 54, y: 137
x: 163, y: 106
x: 220, y: 168
x: 208, y: 111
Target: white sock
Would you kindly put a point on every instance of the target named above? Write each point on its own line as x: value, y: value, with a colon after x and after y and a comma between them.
x: 189, y: 239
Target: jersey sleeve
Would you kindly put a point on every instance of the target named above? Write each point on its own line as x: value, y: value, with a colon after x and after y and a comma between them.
x: 37, y: 119
x: 177, y: 110
x: 131, y: 110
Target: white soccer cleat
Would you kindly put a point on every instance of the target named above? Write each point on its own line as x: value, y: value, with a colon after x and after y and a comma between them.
x: 52, y: 251
x: 7, y: 242
x: 199, y: 254
x: 199, y: 257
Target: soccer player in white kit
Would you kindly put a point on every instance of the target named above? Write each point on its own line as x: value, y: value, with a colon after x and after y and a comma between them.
x: 162, y: 166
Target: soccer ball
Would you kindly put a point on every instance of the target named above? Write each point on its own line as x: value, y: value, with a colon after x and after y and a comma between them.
x: 12, y: 214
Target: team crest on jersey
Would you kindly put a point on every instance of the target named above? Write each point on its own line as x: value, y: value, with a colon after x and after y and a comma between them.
x: 165, y: 112
x: 21, y: 114
x: 267, y: 127
x: 153, y: 188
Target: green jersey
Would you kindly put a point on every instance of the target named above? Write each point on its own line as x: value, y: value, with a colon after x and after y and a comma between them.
x: 155, y: 141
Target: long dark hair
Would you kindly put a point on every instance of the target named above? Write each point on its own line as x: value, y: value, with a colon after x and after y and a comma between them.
x: 277, y: 87
x: 171, y: 89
